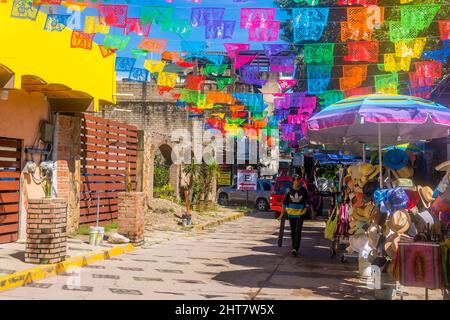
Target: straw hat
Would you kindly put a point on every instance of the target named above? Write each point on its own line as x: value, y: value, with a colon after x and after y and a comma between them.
x: 444, y: 166
x: 370, y: 210
x: 375, y: 173
x: 359, y: 214
x: 426, y: 194
x: 391, y: 245
x: 354, y: 172
x: 374, y: 236
x: 358, y: 185
x: 404, y: 183
x: 368, y: 171
x: 400, y: 221
x: 406, y: 172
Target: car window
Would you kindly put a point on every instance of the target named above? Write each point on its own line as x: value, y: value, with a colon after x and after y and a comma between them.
x: 282, y: 186
x: 267, y: 186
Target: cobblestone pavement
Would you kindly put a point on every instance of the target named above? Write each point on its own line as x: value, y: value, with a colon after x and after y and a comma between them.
x: 236, y: 260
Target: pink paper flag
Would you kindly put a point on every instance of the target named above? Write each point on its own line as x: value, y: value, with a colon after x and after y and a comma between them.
x: 286, y: 84
x: 233, y: 49
x: 243, y: 60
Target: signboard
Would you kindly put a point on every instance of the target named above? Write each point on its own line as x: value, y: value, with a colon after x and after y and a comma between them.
x: 298, y: 160
x: 224, y: 178
x: 247, y: 180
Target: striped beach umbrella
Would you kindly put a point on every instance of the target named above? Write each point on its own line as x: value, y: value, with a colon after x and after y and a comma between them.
x: 381, y: 120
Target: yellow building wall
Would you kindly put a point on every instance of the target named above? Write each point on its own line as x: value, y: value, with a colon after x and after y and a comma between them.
x: 27, y: 49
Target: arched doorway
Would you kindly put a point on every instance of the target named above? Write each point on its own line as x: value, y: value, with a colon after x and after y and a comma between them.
x: 166, y: 175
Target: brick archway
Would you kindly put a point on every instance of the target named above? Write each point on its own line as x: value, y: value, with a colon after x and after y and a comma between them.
x: 154, y: 142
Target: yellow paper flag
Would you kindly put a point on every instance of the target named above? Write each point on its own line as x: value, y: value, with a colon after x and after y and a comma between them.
x: 92, y: 25
x: 167, y: 79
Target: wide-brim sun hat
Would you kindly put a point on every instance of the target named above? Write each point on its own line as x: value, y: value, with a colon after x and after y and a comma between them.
x: 391, y: 245
x: 370, y: 210
x: 374, y: 236
x: 404, y: 183
x: 426, y: 195
x: 359, y: 214
x: 366, y: 170
x: 400, y: 221
x: 396, y: 159
x: 405, y: 172
x: 375, y: 173
x: 444, y: 166
x: 354, y: 172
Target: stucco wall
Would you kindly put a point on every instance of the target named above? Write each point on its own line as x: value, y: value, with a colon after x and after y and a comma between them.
x: 20, y: 116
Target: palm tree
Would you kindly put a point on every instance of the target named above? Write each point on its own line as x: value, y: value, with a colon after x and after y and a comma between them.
x: 192, y: 172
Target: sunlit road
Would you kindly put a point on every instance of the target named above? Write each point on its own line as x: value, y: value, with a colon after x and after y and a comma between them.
x: 237, y: 260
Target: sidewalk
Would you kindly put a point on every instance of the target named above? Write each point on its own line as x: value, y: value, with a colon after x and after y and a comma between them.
x: 12, y: 255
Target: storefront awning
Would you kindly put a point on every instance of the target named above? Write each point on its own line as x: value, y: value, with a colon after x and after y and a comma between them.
x: 29, y: 50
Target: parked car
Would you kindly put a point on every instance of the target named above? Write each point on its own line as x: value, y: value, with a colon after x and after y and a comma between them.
x: 280, y: 187
x: 260, y: 197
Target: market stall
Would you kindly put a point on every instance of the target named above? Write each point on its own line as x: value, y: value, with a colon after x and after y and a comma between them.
x: 393, y: 224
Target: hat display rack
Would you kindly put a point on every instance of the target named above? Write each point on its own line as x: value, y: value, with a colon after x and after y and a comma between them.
x: 383, y: 226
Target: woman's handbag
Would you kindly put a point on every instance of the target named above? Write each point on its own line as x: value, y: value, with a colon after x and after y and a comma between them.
x: 343, y: 220
x: 332, y: 224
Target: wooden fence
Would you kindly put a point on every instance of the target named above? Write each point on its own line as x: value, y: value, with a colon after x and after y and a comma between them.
x: 10, y: 165
x: 108, y: 155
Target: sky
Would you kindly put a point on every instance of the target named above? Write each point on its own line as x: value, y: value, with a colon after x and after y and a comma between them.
x: 183, y: 11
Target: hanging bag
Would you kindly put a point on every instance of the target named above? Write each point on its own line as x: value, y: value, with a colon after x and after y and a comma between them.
x: 331, y: 226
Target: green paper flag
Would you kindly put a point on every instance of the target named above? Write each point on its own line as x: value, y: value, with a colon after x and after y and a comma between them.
x: 319, y: 53
x: 223, y: 82
x: 212, y: 69
x: 387, y: 83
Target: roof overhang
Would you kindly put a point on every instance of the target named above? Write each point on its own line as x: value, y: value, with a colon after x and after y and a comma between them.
x: 37, y: 60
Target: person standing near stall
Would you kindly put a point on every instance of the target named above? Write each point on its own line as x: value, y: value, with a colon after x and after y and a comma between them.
x: 295, y: 206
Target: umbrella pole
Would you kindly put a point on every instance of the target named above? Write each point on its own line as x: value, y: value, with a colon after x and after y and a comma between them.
x: 380, y: 157
x: 364, y: 152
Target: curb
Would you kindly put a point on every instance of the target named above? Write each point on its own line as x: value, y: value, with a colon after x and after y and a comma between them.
x: 21, y: 278
x: 200, y: 227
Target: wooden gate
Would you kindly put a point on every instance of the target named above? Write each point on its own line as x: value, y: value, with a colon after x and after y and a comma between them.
x: 108, y: 153
x: 10, y: 165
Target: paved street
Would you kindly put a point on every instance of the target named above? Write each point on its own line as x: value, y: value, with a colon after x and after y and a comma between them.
x: 237, y: 260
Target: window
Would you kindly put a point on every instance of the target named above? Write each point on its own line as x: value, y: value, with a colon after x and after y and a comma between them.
x: 267, y: 186
x: 281, y: 186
